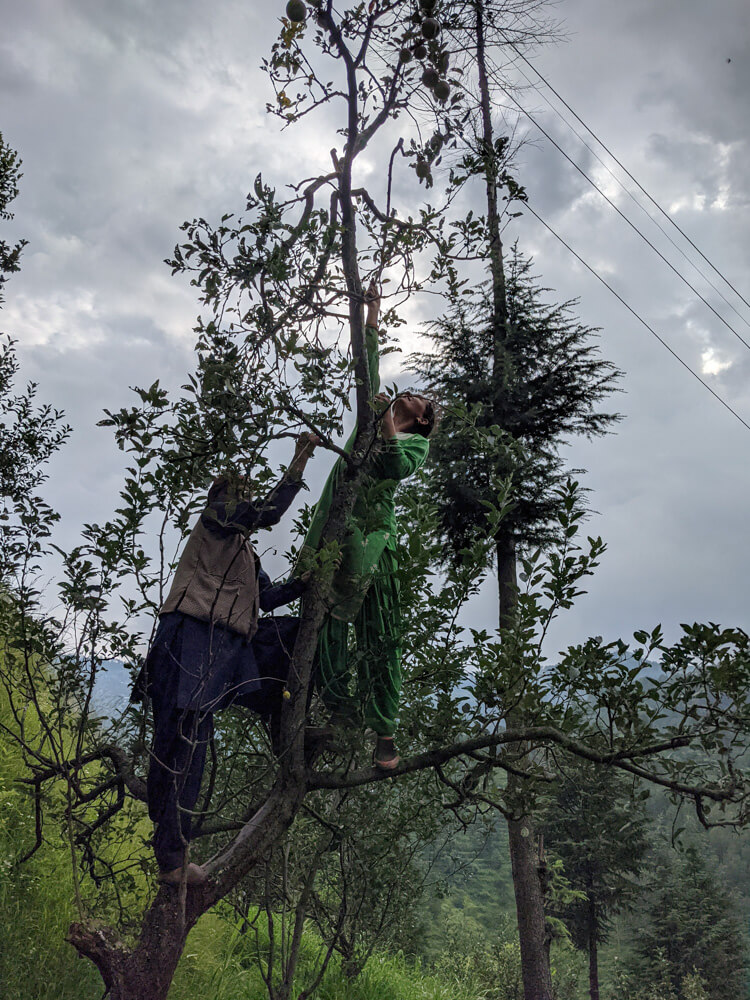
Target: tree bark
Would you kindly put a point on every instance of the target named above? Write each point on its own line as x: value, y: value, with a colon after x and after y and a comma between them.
x: 524, y: 860
x: 593, y: 953
x: 535, y: 970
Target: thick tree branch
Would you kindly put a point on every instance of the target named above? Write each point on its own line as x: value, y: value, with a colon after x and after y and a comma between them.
x: 550, y: 734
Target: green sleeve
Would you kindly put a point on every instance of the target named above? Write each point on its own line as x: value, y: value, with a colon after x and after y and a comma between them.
x: 401, y: 457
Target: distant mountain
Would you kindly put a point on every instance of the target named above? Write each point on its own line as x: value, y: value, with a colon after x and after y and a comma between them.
x: 112, y: 689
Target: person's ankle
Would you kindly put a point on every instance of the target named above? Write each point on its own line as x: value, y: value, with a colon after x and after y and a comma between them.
x: 385, y: 756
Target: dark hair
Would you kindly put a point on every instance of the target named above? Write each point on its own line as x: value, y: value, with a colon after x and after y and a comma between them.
x: 429, y: 415
x: 237, y: 486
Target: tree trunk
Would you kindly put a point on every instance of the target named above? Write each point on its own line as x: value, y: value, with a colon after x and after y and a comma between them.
x: 524, y: 859
x: 593, y: 953
x: 146, y: 972
x: 535, y: 971
x: 535, y: 966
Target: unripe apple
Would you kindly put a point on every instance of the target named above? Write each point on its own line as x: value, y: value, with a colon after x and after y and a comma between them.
x: 442, y: 90
x: 296, y: 11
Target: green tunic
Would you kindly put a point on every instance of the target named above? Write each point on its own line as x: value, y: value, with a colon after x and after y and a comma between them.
x: 365, y: 589
x: 372, y: 528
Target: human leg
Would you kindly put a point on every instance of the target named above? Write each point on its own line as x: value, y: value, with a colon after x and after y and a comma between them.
x: 334, y: 670
x: 378, y: 630
x: 174, y: 778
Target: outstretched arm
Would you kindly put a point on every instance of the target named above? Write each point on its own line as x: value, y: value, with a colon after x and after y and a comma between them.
x: 306, y: 445
x: 229, y: 511
x: 372, y: 298
x: 273, y: 596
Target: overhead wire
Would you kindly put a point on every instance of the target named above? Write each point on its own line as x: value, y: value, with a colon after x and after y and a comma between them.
x: 637, y: 315
x: 625, y: 170
x: 622, y: 215
x: 596, y: 274
x: 628, y: 192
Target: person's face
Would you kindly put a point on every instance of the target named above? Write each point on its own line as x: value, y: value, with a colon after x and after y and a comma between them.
x: 409, y: 410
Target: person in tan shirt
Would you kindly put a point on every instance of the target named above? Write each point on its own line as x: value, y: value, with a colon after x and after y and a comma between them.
x: 201, y: 659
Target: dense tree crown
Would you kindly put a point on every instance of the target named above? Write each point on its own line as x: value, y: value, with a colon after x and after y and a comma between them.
x: 532, y: 389
x: 691, y: 925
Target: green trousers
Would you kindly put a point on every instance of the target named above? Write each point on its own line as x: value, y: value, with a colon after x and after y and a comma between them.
x: 377, y: 659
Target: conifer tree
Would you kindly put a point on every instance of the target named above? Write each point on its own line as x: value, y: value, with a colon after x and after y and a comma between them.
x: 692, y: 924
x: 539, y: 386
x: 596, y: 825
x: 531, y: 372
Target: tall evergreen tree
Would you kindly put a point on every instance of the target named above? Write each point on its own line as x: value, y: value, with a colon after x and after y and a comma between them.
x: 531, y: 371
x: 599, y: 830
x: 693, y: 924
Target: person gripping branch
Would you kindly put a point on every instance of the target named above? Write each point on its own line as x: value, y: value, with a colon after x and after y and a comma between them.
x: 365, y: 587
x: 202, y: 659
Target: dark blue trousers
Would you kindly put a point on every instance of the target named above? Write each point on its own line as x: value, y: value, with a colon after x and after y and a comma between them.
x: 181, y: 738
x: 193, y: 670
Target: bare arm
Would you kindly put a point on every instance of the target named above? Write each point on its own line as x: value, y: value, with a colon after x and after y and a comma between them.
x: 306, y: 444
x: 372, y: 298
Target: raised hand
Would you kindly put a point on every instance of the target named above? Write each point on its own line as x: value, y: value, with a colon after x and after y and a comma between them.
x: 372, y: 298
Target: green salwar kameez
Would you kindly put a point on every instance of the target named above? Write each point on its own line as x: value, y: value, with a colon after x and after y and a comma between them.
x: 365, y: 590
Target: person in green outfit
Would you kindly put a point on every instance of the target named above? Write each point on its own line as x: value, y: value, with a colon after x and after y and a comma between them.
x: 365, y: 588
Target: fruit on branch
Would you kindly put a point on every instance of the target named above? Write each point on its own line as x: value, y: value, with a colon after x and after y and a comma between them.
x: 296, y: 11
x: 442, y: 90
x: 423, y: 169
x: 430, y: 27
x: 430, y: 77
x: 420, y: 51
x: 406, y: 55
x: 428, y: 5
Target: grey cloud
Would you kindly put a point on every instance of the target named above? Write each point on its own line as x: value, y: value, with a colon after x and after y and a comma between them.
x: 132, y: 117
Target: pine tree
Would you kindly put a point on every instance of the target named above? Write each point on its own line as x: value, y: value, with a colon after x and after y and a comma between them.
x: 539, y: 386
x: 596, y: 826
x: 508, y: 360
x: 693, y: 925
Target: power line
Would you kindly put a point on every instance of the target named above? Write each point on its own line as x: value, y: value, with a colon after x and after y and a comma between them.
x: 638, y: 317
x: 622, y: 215
x: 625, y: 170
x: 627, y: 191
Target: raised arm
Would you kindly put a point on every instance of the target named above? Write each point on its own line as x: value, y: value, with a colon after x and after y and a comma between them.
x: 230, y: 510
x: 372, y: 300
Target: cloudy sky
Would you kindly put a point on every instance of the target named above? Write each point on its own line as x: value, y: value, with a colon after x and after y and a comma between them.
x: 133, y: 116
